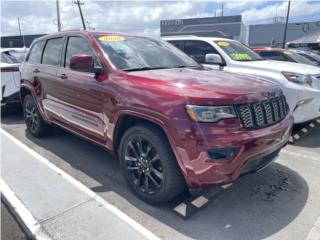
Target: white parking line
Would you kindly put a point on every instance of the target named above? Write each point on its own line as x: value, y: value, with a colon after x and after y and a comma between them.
x: 314, y: 234
x: 30, y: 220
x: 301, y: 154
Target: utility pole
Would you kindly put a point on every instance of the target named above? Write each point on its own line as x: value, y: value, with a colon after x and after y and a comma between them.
x: 82, y: 19
x: 286, y: 26
x: 58, y: 16
x: 24, y: 44
x: 222, y: 9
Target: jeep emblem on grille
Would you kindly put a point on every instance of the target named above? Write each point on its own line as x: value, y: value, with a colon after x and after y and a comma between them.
x: 271, y: 94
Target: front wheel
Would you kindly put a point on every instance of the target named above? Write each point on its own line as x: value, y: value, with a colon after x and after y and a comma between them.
x: 149, y: 165
x: 36, y: 125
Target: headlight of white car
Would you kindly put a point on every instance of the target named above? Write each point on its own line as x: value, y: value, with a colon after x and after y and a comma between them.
x: 210, y: 113
x: 298, y: 78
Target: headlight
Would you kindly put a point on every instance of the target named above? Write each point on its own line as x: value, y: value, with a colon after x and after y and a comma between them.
x: 298, y: 78
x: 210, y: 113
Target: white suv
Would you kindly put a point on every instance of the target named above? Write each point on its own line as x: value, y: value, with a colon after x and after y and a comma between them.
x: 299, y: 82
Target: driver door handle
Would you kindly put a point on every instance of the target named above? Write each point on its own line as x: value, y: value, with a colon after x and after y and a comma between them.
x: 63, y: 76
x: 36, y: 70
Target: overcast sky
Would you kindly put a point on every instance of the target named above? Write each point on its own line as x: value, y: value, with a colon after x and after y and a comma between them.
x: 141, y: 17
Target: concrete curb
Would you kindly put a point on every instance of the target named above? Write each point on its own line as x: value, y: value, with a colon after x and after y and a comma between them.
x: 30, y: 225
x: 33, y: 227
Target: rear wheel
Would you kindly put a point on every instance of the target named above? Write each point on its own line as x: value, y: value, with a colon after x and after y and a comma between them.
x: 149, y: 165
x: 36, y: 125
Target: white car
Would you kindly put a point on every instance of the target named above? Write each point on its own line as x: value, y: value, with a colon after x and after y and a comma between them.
x: 299, y: 82
x: 10, y: 76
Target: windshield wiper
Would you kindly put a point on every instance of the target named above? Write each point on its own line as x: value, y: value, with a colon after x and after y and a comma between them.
x: 142, y: 69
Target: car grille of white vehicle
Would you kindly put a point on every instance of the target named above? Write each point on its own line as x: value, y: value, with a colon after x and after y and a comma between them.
x: 263, y: 114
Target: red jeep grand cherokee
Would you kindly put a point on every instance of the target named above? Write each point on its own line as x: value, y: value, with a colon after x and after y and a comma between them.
x: 172, y: 123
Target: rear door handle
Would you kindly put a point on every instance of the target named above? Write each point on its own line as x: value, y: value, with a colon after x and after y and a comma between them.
x: 63, y: 76
x: 36, y: 70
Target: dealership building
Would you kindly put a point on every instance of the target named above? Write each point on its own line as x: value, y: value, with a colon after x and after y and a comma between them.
x: 225, y: 26
x: 261, y: 35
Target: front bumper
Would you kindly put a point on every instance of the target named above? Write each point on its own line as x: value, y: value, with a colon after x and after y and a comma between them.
x: 304, y: 102
x: 201, y: 171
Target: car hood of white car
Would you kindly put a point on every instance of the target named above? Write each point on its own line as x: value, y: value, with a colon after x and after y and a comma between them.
x: 9, y: 65
x: 281, y: 66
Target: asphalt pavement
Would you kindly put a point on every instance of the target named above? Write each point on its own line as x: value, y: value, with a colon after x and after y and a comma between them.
x: 10, y: 229
x: 281, y: 202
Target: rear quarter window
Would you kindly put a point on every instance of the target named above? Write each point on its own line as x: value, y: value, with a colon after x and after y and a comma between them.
x: 36, y: 52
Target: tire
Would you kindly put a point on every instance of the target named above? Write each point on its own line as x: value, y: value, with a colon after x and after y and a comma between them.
x: 153, y: 161
x: 36, y: 125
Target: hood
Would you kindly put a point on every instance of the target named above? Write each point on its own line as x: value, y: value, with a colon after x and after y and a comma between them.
x: 281, y: 66
x: 207, y: 84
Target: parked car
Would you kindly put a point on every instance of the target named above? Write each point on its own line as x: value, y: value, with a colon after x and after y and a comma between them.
x: 300, y: 83
x: 172, y: 123
x: 283, y: 55
x: 315, y: 58
x: 10, y: 76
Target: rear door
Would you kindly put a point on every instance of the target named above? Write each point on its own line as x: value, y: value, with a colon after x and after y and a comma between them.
x: 82, y: 99
x: 31, y: 69
x: 47, y: 74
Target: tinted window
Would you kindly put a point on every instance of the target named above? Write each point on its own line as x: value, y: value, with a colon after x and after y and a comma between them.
x: 52, y: 52
x: 142, y: 53
x: 198, y: 49
x: 175, y: 43
x: 36, y: 52
x: 77, y: 45
x: 274, y: 56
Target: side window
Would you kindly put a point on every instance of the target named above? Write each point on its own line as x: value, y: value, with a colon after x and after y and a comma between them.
x: 273, y: 56
x: 52, y: 52
x: 177, y: 44
x: 198, y: 49
x: 35, y: 53
x: 77, y: 45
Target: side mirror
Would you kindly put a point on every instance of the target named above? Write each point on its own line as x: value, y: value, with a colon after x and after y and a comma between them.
x: 213, y: 59
x: 82, y: 63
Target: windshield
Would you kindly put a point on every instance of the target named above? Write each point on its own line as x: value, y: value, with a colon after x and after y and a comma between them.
x: 298, y: 58
x: 17, y: 57
x: 237, y: 51
x: 140, y: 53
x: 315, y: 59
x: 5, y: 58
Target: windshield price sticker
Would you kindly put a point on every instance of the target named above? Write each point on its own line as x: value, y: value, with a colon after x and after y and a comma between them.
x: 111, y: 39
x: 240, y: 56
x: 223, y: 44
x: 287, y: 52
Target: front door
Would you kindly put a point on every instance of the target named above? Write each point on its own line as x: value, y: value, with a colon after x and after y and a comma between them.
x: 82, y: 99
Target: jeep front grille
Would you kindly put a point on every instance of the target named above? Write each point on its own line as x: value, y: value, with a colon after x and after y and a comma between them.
x: 262, y: 114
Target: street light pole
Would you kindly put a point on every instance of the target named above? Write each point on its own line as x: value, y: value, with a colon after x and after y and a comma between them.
x: 82, y: 19
x: 286, y: 26
x: 24, y: 44
x: 58, y: 16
